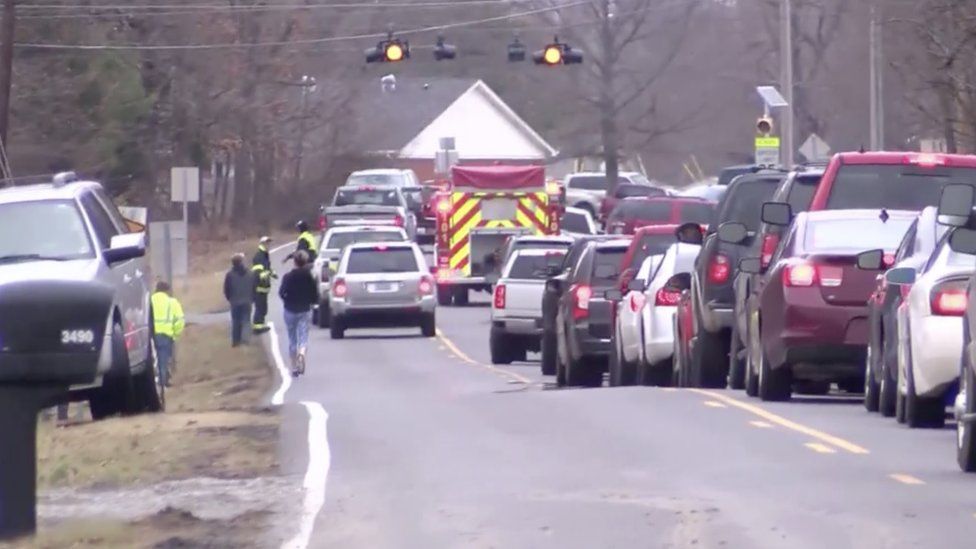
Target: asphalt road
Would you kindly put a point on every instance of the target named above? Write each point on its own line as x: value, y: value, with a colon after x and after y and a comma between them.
x: 431, y: 447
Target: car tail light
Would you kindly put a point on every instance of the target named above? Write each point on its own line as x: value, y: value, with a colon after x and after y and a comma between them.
x: 769, y: 243
x: 398, y: 220
x: 581, y: 300
x: 719, y: 269
x: 887, y: 260
x: 636, y: 301
x: 667, y: 298
x: 500, y: 296
x: 323, y: 221
x: 799, y: 275
x: 949, y: 300
x: 426, y: 286
x: 339, y: 288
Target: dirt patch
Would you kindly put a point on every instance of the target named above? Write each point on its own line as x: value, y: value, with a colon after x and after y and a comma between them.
x: 167, y: 529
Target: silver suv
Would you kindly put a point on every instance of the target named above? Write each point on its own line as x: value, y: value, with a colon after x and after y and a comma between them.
x: 585, y: 190
x: 382, y: 284
x: 74, y: 297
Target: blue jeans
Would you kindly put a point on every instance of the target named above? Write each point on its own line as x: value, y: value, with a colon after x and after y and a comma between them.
x: 239, y: 317
x: 164, y: 354
x: 297, y: 326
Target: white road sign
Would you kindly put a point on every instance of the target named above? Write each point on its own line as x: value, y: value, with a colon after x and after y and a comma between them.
x: 184, y: 182
x: 815, y: 148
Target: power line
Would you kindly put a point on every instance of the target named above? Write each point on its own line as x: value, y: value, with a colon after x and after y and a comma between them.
x: 273, y: 7
x: 307, y: 41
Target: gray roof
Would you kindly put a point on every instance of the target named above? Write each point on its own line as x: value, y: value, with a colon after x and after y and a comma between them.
x: 387, y: 121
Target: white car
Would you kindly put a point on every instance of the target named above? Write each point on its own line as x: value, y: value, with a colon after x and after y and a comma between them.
x: 333, y: 243
x: 383, y: 177
x: 643, y: 332
x: 577, y: 222
x: 585, y: 190
x: 930, y: 335
x: 516, y: 305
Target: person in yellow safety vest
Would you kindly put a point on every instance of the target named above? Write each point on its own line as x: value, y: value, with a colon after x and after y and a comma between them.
x: 306, y: 243
x: 168, y: 324
x: 261, y: 267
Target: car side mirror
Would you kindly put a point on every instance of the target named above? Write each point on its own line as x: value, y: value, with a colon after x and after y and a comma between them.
x: 777, y: 213
x: 750, y: 265
x: 963, y: 240
x: 124, y: 247
x: 871, y: 260
x: 613, y: 294
x: 679, y: 281
x: 732, y: 232
x: 956, y: 205
x: 689, y: 233
x: 901, y: 275
x: 636, y: 285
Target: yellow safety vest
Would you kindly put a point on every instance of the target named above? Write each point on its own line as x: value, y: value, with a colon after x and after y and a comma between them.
x: 309, y: 240
x: 167, y: 315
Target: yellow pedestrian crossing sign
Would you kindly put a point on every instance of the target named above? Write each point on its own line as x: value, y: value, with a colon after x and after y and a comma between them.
x: 767, y: 142
x: 767, y: 150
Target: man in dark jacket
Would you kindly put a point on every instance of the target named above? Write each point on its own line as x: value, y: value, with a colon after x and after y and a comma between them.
x: 298, y: 292
x: 239, y: 286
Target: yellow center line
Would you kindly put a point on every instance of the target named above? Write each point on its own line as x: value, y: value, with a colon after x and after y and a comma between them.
x: 714, y: 404
x: 760, y: 424
x: 906, y: 479
x: 820, y: 448
x: 465, y: 358
x: 783, y: 422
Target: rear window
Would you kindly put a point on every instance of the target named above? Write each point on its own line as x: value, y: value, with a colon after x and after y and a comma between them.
x: 575, y: 223
x: 339, y: 241
x: 693, y: 212
x: 606, y: 266
x: 893, y: 186
x: 651, y: 244
x: 540, y: 245
x: 378, y: 179
x: 856, y: 235
x: 744, y: 202
x: 588, y: 182
x: 376, y: 197
x: 389, y: 260
x: 531, y: 267
x: 644, y: 210
x: 625, y: 191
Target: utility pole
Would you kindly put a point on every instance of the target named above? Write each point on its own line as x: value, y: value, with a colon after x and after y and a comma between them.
x: 786, y: 78
x: 876, y: 75
x: 308, y: 85
x: 6, y: 66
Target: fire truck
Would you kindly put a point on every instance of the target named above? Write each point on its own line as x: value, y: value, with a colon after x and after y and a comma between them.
x: 481, y: 207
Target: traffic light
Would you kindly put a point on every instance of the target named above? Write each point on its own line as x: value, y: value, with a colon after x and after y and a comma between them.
x: 516, y: 51
x: 444, y: 51
x: 764, y: 126
x: 557, y: 53
x: 390, y: 50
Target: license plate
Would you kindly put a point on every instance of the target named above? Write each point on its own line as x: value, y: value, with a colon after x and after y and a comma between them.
x: 380, y: 287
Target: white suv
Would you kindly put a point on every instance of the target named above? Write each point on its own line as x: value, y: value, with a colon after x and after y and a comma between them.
x: 586, y: 190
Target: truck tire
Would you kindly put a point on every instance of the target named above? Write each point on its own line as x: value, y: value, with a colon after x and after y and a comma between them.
x: 445, y: 295
x: 965, y: 431
x: 654, y: 375
x: 774, y: 384
x: 461, y: 296
x: 337, y: 329
x: 115, y: 396
x: 583, y: 373
x: 323, y: 315
x: 548, y: 349
x: 150, y: 393
x: 428, y: 325
x: 921, y: 412
x: 500, y: 348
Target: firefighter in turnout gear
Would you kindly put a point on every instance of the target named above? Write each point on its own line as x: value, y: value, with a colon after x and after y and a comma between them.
x: 306, y: 243
x: 261, y: 267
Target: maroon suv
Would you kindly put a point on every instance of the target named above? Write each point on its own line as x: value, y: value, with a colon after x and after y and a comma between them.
x: 808, y: 321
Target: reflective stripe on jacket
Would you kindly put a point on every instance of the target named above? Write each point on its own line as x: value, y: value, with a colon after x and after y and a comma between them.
x: 167, y: 315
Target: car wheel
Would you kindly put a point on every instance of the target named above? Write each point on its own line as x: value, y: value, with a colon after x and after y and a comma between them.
x: 655, y: 375
x: 337, y: 329
x: 560, y: 371
x: 921, y: 411
x: 150, y: 393
x: 428, y: 325
x: 737, y: 366
x: 888, y: 389
x: 871, y: 387
x: 710, y: 362
x: 116, y: 393
x: 323, y: 316
x: 461, y: 296
x: 965, y: 437
x: 500, y: 348
x: 620, y: 372
x: 583, y: 373
x: 755, y: 348
x: 774, y: 384
x: 445, y: 295
x: 548, y: 359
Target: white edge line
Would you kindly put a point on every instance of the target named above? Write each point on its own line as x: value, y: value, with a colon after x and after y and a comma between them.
x: 279, y: 397
x: 277, y: 249
x: 319, y: 461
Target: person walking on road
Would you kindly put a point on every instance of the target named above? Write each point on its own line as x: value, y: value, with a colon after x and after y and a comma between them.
x: 239, y: 290
x: 298, y: 292
x: 168, y: 324
x: 261, y: 267
x: 306, y: 243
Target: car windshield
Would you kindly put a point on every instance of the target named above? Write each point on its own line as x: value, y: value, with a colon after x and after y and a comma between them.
x: 801, y: 192
x: 377, y: 179
x: 575, y: 223
x: 531, y: 267
x: 893, y: 186
x: 366, y: 197
x: 588, y: 182
x: 651, y: 244
x: 606, y: 266
x: 51, y: 229
x: 744, y: 201
x: 856, y: 235
x: 628, y: 190
x: 339, y: 241
x: 644, y: 210
x: 381, y: 260
x: 695, y: 212
x: 540, y: 245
